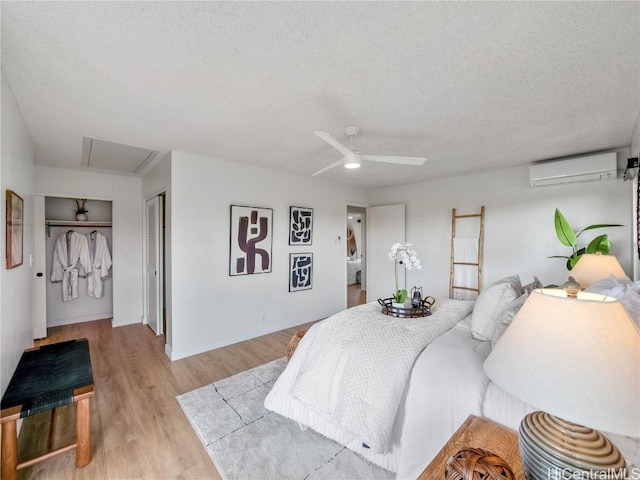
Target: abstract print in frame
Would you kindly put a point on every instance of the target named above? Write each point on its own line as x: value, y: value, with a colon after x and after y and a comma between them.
x: 300, y: 271
x: 300, y: 226
x: 14, y: 219
x: 250, y: 240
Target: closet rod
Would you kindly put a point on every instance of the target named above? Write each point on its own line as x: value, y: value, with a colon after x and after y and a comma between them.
x: 70, y: 223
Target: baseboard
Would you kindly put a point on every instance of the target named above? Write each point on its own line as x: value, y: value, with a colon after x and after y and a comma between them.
x: 241, y: 337
x: 125, y: 321
x: 83, y: 318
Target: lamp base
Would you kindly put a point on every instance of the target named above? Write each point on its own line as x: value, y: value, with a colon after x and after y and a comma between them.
x: 552, y: 448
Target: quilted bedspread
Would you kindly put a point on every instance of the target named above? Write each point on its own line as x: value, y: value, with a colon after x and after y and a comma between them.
x: 356, y: 368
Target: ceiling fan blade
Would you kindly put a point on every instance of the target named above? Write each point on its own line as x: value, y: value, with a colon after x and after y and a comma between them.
x: 334, y: 164
x: 333, y: 142
x: 417, y: 161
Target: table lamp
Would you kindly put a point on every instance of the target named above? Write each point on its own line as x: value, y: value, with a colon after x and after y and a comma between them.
x: 578, y: 359
x: 593, y: 267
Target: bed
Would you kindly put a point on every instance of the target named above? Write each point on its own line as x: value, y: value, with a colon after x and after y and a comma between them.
x: 353, y: 271
x: 445, y: 383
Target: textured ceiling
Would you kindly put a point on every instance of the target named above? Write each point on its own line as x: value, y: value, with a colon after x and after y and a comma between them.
x: 470, y: 85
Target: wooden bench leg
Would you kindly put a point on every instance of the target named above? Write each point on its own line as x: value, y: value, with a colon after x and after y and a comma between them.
x: 52, y: 429
x: 9, y: 451
x: 83, y: 433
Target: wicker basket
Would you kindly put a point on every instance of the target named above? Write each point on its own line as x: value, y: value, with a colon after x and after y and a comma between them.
x: 477, y: 464
x: 293, y: 343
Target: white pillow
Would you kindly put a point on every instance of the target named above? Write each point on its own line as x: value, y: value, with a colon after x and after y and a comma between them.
x: 506, y: 316
x: 490, y: 303
x: 623, y: 289
x: 530, y: 287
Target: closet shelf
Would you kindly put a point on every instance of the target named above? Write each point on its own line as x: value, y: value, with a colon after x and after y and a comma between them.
x: 73, y: 223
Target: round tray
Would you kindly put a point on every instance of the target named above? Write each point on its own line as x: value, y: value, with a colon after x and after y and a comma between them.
x: 424, y: 310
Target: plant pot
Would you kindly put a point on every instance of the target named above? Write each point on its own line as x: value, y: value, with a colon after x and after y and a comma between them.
x: 81, y: 217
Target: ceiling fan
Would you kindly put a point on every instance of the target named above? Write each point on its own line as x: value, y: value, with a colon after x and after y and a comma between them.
x: 352, y: 158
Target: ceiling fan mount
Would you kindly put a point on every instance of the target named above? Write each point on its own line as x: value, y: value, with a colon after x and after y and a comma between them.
x: 353, y: 159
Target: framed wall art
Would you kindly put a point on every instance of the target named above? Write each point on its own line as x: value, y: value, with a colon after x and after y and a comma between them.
x: 15, y: 219
x: 300, y: 226
x: 300, y: 271
x: 251, y: 239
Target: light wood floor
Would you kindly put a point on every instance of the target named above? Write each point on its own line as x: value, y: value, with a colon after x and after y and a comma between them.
x: 355, y: 296
x: 138, y: 429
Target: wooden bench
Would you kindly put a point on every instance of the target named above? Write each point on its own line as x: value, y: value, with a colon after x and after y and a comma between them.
x: 47, y: 378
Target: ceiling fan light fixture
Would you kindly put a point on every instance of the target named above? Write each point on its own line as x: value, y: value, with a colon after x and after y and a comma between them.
x: 352, y: 161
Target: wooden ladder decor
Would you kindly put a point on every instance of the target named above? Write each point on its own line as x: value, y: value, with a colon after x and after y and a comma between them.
x: 454, y: 283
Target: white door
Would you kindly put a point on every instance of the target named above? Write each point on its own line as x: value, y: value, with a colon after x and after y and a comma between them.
x: 153, y: 227
x: 385, y: 226
x: 40, y: 269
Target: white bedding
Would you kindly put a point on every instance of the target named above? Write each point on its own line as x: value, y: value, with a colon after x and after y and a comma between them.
x: 447, y: 383
x: 355, y: 366
x: 418, y: 432
x: 353, y: 267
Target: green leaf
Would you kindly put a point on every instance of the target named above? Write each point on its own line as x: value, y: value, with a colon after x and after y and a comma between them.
x: 401, y: 296
x: 600, y: 244
x: 599, y: 225
x: 563, y: 230
x: 573, y: 259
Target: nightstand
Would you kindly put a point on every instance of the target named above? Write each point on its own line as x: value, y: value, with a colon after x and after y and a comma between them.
x: 480, y: 433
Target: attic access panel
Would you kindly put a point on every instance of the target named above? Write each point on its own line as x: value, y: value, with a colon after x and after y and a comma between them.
x: 114, y: 156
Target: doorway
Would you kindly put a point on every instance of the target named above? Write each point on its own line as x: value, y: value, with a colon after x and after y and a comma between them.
x: 155, y: 309
x: 356, y: 256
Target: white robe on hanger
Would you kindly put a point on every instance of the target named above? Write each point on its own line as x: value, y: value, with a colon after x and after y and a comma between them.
x: 100, y: 263
x: 70, y: 260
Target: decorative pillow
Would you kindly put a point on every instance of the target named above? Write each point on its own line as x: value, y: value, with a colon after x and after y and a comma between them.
x: 623, y: 289
x: 490, y: 303
x: 506, y: 316
x: 530, y: 287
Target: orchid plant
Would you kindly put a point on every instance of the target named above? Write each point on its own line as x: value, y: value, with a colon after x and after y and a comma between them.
x: 402, y: 254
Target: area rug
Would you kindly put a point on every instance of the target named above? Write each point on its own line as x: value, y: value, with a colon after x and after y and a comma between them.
x: 246, y: 441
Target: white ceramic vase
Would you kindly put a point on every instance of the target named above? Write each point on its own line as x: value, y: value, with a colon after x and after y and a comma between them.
x: 81, y: 217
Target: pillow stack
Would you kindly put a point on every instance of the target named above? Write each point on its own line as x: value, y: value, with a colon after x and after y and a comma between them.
x: 497, y: 305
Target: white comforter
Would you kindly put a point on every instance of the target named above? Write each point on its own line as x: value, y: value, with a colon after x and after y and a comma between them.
x: 350, y: 371
x: 356, y: 368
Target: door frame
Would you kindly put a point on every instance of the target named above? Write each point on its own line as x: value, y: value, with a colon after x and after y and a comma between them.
x: 160, y: 328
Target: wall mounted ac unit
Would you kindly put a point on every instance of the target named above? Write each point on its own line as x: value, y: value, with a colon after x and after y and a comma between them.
x: 590, y: 168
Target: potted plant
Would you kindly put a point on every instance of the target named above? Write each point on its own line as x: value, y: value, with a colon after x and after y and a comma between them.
x: 567, y: 236
x: 401, y: 254
x: 81, y: 211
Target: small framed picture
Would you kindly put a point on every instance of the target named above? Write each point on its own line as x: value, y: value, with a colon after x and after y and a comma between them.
x: 300, y: 226
x: 15, y: 219
x: 250, y: 240
x: 300, y: 271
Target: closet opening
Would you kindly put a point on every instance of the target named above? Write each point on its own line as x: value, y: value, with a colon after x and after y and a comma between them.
x: 73, y: 259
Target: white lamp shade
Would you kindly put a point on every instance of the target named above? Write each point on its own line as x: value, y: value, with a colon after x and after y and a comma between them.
x: 591, y: 268
x: 575, y: 358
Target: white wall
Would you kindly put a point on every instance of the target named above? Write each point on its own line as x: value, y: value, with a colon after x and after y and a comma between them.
x: 125, y: 193
x: 156, y: 181
x: 210, y: 308
x: 519, y: 228
x: 635, y: 245
x: 16, y: 173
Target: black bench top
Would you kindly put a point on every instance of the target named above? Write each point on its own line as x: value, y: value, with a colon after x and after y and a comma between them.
x: 47, y: 377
